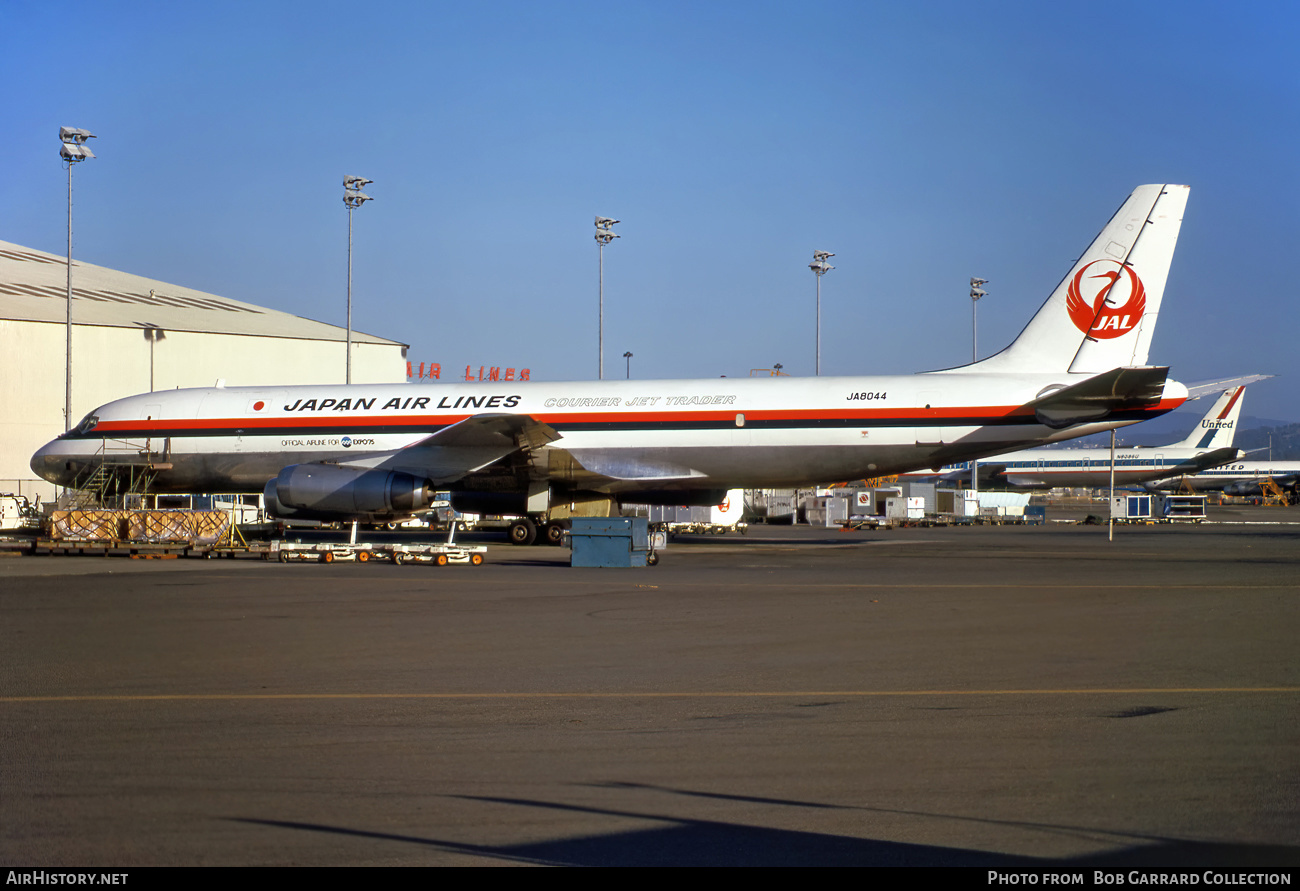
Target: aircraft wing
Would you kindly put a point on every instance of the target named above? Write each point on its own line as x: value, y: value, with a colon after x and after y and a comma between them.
x: 1098, y: 396
x: 1208, y: 388
x: 466, y: 446
x: 1204, y: 461
x: 989, y: 473
x: 1210, y: 459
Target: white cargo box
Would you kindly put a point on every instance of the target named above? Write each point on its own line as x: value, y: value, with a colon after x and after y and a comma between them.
x: 1130, y: 507
x: 911, y: 508
x: 958, y: 502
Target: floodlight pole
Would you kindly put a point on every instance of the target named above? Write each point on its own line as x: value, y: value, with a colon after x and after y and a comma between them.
x: 604, y: 235
x: 348, y: 360
x: 67, y: 351
x: 976, y: 292
x: 353, y: 197
x: 628, y: 357
x: 600, y: 314
x: 1110, y: 517
x: 73, y: 150
x: 820, y: 267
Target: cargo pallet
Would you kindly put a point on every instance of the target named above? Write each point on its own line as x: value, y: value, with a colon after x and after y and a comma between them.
x: 48, y: 547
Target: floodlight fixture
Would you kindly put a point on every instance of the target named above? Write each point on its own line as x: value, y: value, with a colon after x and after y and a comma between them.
x: 628, y: 357
x: 604, y: 234
x: 153, y: 334
x: 74, y: 144
x: 352, y: 194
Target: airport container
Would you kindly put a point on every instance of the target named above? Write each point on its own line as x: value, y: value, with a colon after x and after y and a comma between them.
x: 779, y: 503
x: 1131, y: 507
x: 1003, y: 505
x: 839, y: 506
x: 1182, y: 507
x: 924, y: 491
x: 912, y: 508
x: 670, y: 513
x: 959, y: 503
x: 610, y: 541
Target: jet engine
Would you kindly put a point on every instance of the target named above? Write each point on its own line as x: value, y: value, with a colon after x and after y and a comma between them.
x: 331, y: 492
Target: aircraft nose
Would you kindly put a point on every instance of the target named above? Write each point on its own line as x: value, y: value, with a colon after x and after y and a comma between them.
x: 50, y: 462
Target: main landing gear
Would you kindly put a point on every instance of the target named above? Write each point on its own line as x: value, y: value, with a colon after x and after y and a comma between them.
x: 525, y: 531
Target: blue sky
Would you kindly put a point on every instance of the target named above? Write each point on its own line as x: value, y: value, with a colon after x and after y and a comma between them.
x: 923, y: 143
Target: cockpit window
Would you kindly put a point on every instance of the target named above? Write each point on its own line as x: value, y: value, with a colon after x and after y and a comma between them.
x: 88, y: 423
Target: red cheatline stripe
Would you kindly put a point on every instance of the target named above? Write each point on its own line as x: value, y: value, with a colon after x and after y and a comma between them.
x: 308, y: 422
x: 1231, y: 402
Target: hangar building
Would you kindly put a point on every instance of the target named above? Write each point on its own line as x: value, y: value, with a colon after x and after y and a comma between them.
x: 132, y: 335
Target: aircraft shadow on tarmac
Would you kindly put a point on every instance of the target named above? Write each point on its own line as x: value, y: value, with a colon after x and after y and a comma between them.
x: 688, y: 842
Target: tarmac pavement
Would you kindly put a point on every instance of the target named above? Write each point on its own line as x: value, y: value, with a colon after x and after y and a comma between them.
x: 1010, y: 696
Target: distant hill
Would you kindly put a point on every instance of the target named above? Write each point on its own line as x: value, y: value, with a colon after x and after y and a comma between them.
x: 1285, y: 442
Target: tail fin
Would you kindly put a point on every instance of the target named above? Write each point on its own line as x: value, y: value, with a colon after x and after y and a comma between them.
x: 1102, y: 315
x: 1219, y: 426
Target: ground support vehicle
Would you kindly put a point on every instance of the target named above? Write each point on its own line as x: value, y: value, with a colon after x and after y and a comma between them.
x: 435, y: 553
x: 365, y: 552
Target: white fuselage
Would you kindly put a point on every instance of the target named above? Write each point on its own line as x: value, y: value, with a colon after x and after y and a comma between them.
x: 1238, y: 473
x: 1052, y: 468
x: 614, y: 436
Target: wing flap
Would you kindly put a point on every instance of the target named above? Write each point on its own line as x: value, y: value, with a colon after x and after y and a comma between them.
x: 637, y: 466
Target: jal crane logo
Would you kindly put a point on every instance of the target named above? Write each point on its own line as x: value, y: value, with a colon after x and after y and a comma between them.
x: 1106, y: 299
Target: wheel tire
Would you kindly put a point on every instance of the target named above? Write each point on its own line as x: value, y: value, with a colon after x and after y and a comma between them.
x: 553, y: 534
x: 652, y: 560
x: 327, y: 557
x: 523, y: 532
x: 399, y: 558
x: 284, y: 556
x: 441, y: 560
x: 476, y: 559
x: 363, y: 557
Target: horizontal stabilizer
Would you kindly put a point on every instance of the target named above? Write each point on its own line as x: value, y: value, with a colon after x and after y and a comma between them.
x: 1214, y: 388
x: 1115, y: 390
